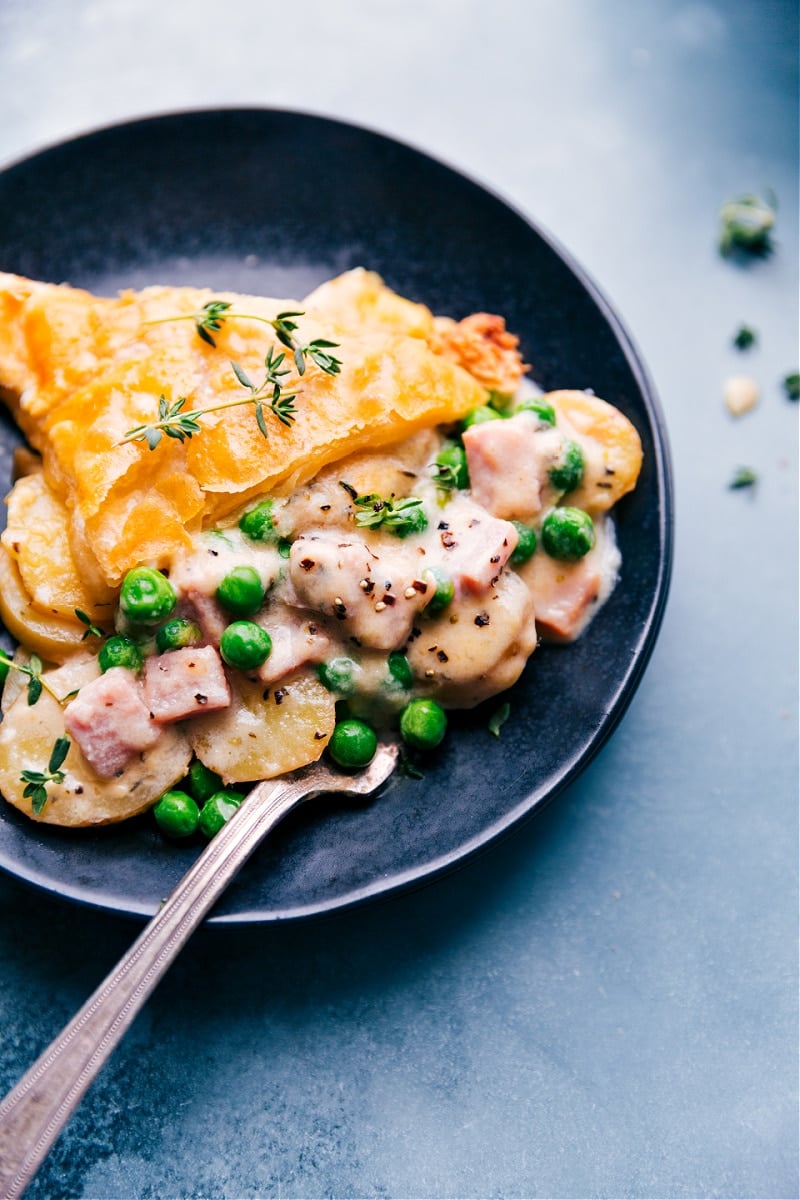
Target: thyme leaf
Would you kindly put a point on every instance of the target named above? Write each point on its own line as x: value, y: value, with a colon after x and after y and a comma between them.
x: 213, y: 315
x: 36, y: 781
x: 446, y: 477
x: 268, y: 394
x: 743, y: 477
x: 33, y: 669
x: 791, y: 385
x: 92, y: 630
x: 746, y: 224
x: 745, y: 338
x: 172, y: 421
x: 399, y: 517
x: 499, y: 718
x: 408, y: 768
x: 210, y: 317
x: 282, y: 406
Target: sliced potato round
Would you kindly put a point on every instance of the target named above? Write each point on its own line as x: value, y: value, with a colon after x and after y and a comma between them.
x: 27, y: 735
x: 54, y: 638
x: 15, y: 681
x: 480, y: 647
x: 266, y: 731
x: 37, y: 538
x: 612, y: 448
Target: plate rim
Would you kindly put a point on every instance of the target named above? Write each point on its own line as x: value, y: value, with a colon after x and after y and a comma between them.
x: 419, y: 876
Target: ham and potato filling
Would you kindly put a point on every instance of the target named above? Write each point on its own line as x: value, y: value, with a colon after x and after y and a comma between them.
x: 380, y: 573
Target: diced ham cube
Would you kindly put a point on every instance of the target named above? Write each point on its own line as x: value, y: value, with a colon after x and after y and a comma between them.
x: 566, y: 595
x: 297, y: 639
x: 110, y: 721
x: 184, y: 683
x: 205, y: 611
x: 374, y: 590
x: 473, y: 547
x: 509, y: 462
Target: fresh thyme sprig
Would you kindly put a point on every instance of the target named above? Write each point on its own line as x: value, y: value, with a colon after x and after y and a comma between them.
x: 212, y: 316
x: 33, y: 669
x: 399, y: 517
x: 176, y: 423
x: 171, y: 420
x: 92, y: 630
x: 282, y: 406
x: 317, y: 349
x: 36, y: 781
x: 446, y: 477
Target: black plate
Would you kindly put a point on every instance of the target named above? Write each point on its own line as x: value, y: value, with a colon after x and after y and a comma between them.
x: 275, y: 202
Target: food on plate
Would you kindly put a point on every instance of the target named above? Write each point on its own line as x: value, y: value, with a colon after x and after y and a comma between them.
x: 253, y: 529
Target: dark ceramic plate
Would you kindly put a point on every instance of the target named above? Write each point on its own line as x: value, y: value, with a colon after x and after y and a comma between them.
x: 275, y: 202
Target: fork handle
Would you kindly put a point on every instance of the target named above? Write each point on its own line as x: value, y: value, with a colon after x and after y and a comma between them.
x: 34, y: 1112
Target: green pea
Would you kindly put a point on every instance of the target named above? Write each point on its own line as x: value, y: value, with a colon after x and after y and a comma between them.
x: 479, y: 415
x: 259, y: 523
x: 423, y: 724
x: 443, y: 595
x: 284, y: 547
x: 353, y: 743
x: 203, y: 782
x: 453, y: 458
x: 176, y: 634
x: 119, y: 651
x: 526, y: 545
x: 567, y: 533
x: 567, y: 474
x: 400, y: 669
x: 541, y: 409
x: 218, y: 810
x: 245, y: 645
x: 146, y: 597
x: 241, y: 591
x: 337, y: 675
x: 177, y: 815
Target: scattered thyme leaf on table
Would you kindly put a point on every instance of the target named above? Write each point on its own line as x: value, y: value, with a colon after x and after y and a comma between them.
x: 747, y: 223
x: 743, y: 477
x: 745, y: 338
x: 791, y: 385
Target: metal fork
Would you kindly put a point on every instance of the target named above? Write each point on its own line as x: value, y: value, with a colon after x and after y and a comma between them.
x: 35, y: 1111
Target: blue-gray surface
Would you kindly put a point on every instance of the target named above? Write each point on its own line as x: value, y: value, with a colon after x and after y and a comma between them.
x: 606, y: 1003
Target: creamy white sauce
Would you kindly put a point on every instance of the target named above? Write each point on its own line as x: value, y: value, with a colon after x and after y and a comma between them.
x: 345, y: 592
